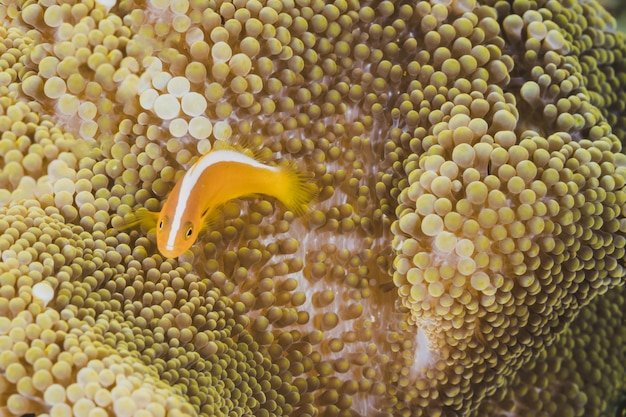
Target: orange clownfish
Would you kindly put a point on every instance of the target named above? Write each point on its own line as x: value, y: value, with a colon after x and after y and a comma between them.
x: 216, y: 178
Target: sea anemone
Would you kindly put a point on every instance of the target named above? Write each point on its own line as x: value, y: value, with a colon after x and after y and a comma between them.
x: 464, y: 255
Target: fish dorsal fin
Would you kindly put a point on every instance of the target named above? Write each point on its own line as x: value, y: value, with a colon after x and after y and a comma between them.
x: 246, y: 146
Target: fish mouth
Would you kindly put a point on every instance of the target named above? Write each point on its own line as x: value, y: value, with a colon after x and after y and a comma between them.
x: 169, y: 251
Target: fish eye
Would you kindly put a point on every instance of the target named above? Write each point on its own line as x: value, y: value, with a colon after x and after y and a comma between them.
x: 162, y: 222
x: 189, y: 232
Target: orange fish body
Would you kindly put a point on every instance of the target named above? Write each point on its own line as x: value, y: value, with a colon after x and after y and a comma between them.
x: 216, y: 178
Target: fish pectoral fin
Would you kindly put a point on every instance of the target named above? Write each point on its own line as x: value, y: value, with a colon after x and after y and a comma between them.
x: 210, y: 218
x: 142, y: 217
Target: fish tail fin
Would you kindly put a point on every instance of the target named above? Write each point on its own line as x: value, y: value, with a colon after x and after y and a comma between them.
x: 297, y: 190
x: 141, y: 217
